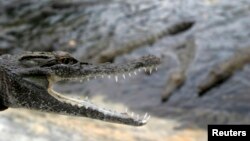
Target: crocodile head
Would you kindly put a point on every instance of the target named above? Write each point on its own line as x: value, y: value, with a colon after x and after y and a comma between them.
x: 27, y: 81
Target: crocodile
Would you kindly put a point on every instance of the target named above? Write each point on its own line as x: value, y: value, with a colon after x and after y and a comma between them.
x: 218, y: 74
x: 110, y: 54
x: 27, y: 82
x: 222, y: 72
x: 71, y: 26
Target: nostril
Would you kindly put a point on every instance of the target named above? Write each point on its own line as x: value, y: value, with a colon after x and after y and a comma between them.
x: 3, y: 107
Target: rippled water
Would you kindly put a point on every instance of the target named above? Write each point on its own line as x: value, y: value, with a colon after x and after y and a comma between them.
x: 221, y: 27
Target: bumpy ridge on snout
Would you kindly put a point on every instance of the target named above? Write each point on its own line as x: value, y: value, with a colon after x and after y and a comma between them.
x: 80, y: 71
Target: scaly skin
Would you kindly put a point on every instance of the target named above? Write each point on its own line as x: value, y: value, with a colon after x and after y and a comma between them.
x: 27, y: 79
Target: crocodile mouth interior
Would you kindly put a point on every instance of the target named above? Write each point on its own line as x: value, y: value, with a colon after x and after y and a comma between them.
x: 85, y: 103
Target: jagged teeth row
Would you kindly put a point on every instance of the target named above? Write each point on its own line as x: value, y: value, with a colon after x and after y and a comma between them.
x: 116, y: 78
x: 137, y: 117
x: 144, y: 119
x: 130, y: 74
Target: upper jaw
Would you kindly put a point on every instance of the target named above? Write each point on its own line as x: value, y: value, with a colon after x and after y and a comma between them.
x: 81, y: 71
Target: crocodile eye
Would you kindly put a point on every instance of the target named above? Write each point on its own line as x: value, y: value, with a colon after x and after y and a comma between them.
x: 68, y: 61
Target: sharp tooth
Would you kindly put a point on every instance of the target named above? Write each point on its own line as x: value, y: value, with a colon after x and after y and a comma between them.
x: 86, y: 98
x: 135, y: 72
x: 145, y: 116
x: 129, y: 74
x: 109, y: 76
x: 150, y: 70
x: 116, y: 78
x: 139, y: 70
x: 145, y: 69
x: 156, y: 68
x: 124, y: 77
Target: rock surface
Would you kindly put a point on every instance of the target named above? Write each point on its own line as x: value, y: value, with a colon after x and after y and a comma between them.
x: 221, y: 27
x: 27, y: 125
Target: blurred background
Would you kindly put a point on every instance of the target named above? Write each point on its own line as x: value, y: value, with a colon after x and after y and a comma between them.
x: 87, y: 27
